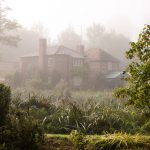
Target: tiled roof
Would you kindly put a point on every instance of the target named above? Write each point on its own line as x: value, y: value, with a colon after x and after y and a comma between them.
x: 100, y: 55
x: 58, y: 50
x: 68, y: 51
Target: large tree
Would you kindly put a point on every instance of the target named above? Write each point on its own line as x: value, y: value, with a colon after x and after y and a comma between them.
x: 7, y: 27
x: 137, y: 90
x: 69, y: 38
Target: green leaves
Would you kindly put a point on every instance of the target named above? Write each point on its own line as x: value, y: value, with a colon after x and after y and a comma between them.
x: 5, y: 97
x: 137, y: 90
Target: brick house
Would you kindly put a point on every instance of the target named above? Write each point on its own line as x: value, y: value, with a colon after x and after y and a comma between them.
x: 57, y: 59
x: 100, y: 62
x: 69, y: 64
x: 101, y: 65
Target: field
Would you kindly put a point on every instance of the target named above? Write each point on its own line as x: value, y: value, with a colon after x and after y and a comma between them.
x: 90, y: 112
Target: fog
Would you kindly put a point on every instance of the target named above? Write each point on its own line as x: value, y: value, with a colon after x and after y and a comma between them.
x: 125, y: 17
x: 95, y: 24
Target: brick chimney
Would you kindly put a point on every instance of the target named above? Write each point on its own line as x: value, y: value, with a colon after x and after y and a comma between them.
x: 43, y: 59
x: 80, y: 49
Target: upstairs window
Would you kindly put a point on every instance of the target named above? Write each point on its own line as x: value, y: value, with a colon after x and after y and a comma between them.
x: 77, y: 62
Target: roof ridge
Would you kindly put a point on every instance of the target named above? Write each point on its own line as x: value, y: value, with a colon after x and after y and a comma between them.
x: 109, y: 55
x: 70, y: 49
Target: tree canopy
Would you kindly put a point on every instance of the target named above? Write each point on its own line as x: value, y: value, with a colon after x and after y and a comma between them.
x: 7, y: 26
x: 137, y: 90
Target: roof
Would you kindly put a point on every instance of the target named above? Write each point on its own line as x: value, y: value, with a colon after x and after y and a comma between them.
x: 114, y: 75
x: 100, y: 55
x: 68, y: 51
x: 57, y: 50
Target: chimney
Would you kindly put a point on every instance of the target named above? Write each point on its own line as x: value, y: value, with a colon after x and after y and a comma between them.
x: 80, y: 49
x: 43, y: 60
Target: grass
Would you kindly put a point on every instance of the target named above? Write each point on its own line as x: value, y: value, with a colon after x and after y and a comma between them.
x: 117, y: 141
x: 62, y: 136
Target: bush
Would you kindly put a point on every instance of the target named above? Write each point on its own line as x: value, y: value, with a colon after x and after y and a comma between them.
x: 5, y: 98
x: 18, y: 130
x: 78, y: 139
x: 146, y: 128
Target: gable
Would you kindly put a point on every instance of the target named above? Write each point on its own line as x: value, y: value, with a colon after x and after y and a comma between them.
x: 100, y: 55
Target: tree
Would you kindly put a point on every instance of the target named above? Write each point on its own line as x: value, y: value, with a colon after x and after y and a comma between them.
x: 137, y: 90
x: 41, y: 31
x: 69, y: 38
x: 110, y: 41
x: 7, y: 26
x: 95, y: 36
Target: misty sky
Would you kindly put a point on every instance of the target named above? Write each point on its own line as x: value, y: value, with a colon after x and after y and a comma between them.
x: 124, y: 16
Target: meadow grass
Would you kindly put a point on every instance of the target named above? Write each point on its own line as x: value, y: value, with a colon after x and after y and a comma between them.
x: 116, y: 141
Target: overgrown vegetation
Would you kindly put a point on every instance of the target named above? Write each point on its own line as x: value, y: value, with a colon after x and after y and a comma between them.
x: 18, y: 130
x: 116, y: 141
x: 86, y: 112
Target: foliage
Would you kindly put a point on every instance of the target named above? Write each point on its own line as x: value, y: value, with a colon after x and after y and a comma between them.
x: 18, y: 130
x: 117, y: 141
x: 137, y: 90
x: 5, y: 98
x: 7, y: 37
x: 78, y: 139
x: 84, y: 112
x: 22, y: 133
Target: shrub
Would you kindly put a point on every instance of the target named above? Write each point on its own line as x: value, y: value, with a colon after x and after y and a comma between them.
x: 18, y: 130
x: 146, y: 128
x: 5, y: 98
x: 78, y: 139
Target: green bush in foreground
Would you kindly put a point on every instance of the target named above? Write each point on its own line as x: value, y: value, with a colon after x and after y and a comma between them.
x: 18, y: 130
x: 5, y: 98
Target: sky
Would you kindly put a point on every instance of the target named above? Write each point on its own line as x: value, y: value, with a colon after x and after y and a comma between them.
x: 124, y: 16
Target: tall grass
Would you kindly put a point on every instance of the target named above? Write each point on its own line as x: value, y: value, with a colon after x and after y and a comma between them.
x: 88, y: 112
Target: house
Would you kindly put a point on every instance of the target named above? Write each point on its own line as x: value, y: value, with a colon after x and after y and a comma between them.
x: 101, y: 62
x: 62, y: 62
x: 57, y: 59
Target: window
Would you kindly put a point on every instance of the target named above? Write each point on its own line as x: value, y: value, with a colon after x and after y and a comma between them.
x: 77, y: 62
x: 50, y: 62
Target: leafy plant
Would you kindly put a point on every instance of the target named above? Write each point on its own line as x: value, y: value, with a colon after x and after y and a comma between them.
x: 78, y: 139
x: 5, y: 98
x: 137, y: 90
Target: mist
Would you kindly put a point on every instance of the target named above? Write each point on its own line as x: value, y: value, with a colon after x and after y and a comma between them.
x: 95, y: 24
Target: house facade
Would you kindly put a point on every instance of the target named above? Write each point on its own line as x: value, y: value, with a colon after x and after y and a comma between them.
x: 69, y: 64
x: 55, y: 61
